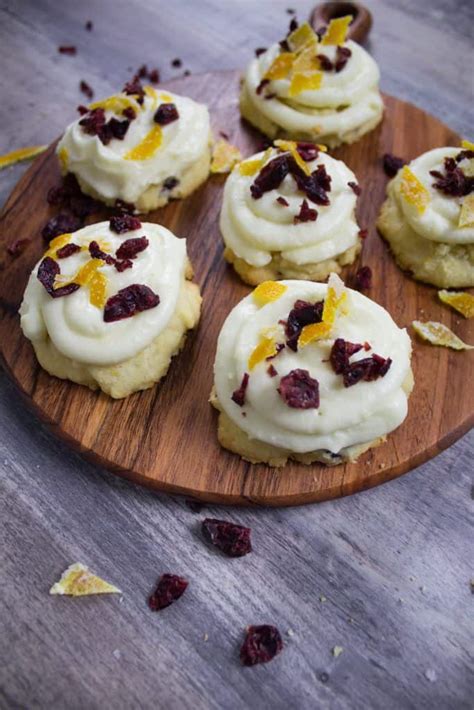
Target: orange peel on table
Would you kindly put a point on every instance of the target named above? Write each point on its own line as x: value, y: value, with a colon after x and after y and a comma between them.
x: 439, y: 334
x: 17, y: 156
x: 224, y: 157
x: 333, y: 305
x: 413, y: 190
x: 267, y: 347
x: 461, y: 301
x: 336, y: 32
x: 466, y: 215
x: 268, y: 291
x: 78, y: 581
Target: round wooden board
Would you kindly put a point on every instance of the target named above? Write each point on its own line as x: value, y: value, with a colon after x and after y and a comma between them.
x: 166, y: 437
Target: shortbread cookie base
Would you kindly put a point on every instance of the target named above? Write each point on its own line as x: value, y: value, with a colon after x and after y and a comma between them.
x: 436, y: 263
x: 139, y: 372
x: 157, y: 196
x: 234, y: 439
x: 280, y: 268
x: 273, y: 130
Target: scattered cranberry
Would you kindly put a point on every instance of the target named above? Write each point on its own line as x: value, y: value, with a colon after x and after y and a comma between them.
x: 341, y: 351
x: 129, y: 113
x: 177, y: 63
x: 260, y: 50
x: 67, y: 49
x: 325, y: 63
x: 230, y: 538
x: 154, y: 76
x: 129, y: 301
x: 392, y: 164
x: 170, y: 587
x: 272, y: 371
x: 67, y: 250
x: 61, y: 224
x: 93, y: 122
x: 453, y: 182
x: 238, y: 396
x: 293, y: 26
x: 308, y: 151
x: 124, y: 223
x: 302, y: 313
x: 170, y: 183
x: 281, y: 200
x: 86, y: 89
x: 261, y: 86
x: 343, y: 55
x: 47, y: 272
x: 270, y: 176
x: 261, y: 644
x: 97, y: 253
x: 355, y: 188
x: 166, y: 113
x: 82, y: 110
x: 17, y: 247
x: 131, y: 248
x: 299, y: 390
x: 135, y: 88
x: 124, y: 207
x: 290, y: 11
x: 123, y: 265
x: 363, y: 278
x: 464, y: 155
x: 368, y: 369
x: 306, y: 214
x: 89, y: 26
x: 224, y: 135
x: 363, y: 233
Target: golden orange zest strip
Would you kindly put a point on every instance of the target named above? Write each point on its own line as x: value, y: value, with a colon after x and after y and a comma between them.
x: 315, y: 331
x: 414, y: 192
x: 333, y: 303
x: 63, y: 157
x: 87, y: 272
x: 291, y: 146
x: 16, y: 156
x: 467, y: 145
x: 250, y: 167
x: 78, y: 581
x: 55, y: 244
x: 280, y: 67
x: 147, y: 147
x: 305, y: 81
x: 439, y: 334
x: 461, y: 301
x: 306, y: 60
x: 466, y: 215
x: 224, y: 157
x: 266, y: 348
x: 268, y: 291
x: 303, y: 37
x: 337, y: 30
x: 117, y: 103
x: 167, y: 98
x: 98, y: 290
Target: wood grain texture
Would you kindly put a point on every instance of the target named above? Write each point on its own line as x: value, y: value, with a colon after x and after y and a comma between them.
x: 368, y: 554
x: 155, y: 437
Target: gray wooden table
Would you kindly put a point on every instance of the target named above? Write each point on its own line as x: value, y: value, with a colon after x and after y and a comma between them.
x: 385, y: 574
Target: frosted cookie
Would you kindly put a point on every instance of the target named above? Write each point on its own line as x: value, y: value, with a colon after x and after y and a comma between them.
x: 109, y: 305
x: 428, y: 217
x: 313, y: 88
x: 289, y: 212
x: 142, y: 146
x: 310, y: 372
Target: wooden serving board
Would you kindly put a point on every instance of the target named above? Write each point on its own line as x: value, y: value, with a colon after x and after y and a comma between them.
x: 166, y: 437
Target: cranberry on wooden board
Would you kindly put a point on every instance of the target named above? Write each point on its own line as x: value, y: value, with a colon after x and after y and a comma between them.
x: 232, y: 539
x: 261, y: 645
x: 170, y: 587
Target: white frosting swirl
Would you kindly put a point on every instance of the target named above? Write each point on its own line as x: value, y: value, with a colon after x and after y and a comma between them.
x: 346, y: 416
x: 346, y: 99
x: 439, y: 221
x: 77, y: 328
x: 107, y: 172
x: 254, y: 228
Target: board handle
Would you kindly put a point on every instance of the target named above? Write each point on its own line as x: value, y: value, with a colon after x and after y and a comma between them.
x: 327, y: 11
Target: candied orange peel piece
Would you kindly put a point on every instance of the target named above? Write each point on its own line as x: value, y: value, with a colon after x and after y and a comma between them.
x: 461, y: 301
x: 63, y: 157
x: 147, y: 147
x: 466, y: 215
x: 16, y: 156
x: 250, y: 167
x: 224, y: 157
x: 291, y: 146
x: 413, y: 190
x: 306, y: 60
x: 305, y: 81
x: 268, y: 291
x: 337, y: 30
x: 304, y: 37
x: 467, y: 145
x: 116, y: 103
x: 333, y: 305
x: 98, y: 289
x: 439, y: 334
x: 78, y: 581
x: 267, y: 347
x: 280, y: 67
x: 60, y: 241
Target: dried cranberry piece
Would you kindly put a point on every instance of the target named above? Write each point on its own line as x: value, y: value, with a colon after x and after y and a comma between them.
x: 67, y: 49
x: 142, y: 72
x: 86, y: 89
x: 129, y: 301
x: 238, y: 396
x: 308, y: 151
x: 343, y: 55
x: 302, y: 313
x: 60, y: 224
x: 224, y: 135
x: 124, y: 223
x: 284, y: 46
x: 89, y: 25
x: 261, y: 644
x: 47, y: 272
x: 93, y: 123
x: 67, y: 250
x: 154, y: 76
x: 135, y: 88
x: 82, y: 110
x: 123, y: 265
x: 260, y: 50
x: 293, y: 26
x: 464, y: 155
x: 129, y: 113
x: 306, y: 214
x: 131, y: 247
x: 117, y: 128
x: 177, y: 63
x: 170, y: 183
x: 341, y: 351
x: 315, y: 186
x: 124, y: 207
x: 325, y: 63
x: 363, y: 233
x: 166, y: 113
x: 290, y: 11
x: 357, y: 371
x: 355, y: 188
x: 230, y: 538
x: 299, y: 390
x: 363, y: 278
x: 272, y: 371
x: 392, y: 164
x: 96, y: 253
x: 17, y: 247
x: 281, y: 200
x: 453, y: 183
x: 380, y: 366
x: 270, y: 176
x: 261, y: 86
x: 170, y: 587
